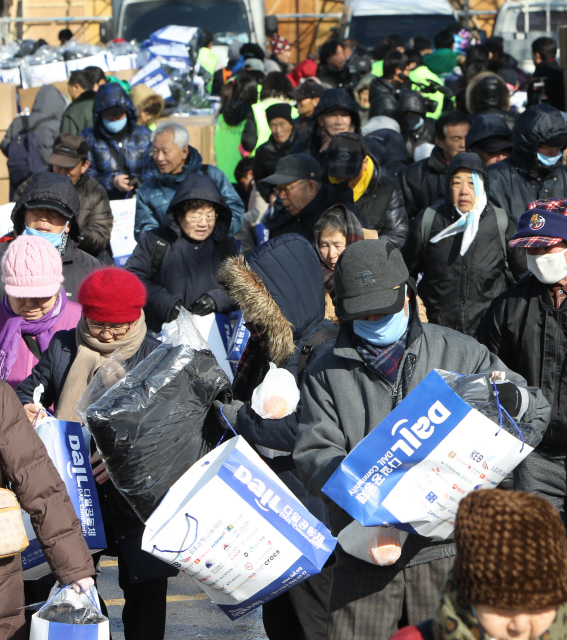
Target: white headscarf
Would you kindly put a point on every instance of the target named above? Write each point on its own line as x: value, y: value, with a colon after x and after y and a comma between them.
x: 468, y: 222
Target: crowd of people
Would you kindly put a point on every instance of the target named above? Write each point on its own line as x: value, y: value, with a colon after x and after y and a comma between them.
x: 375, y: 215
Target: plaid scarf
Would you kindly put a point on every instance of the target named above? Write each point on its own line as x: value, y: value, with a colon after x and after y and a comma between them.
x: 252, y: 357
x: 355, y: 234
x: 385, y: 361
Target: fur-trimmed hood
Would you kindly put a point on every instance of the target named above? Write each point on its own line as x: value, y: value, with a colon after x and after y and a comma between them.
x: 487, y: 90
x: 280, y: 288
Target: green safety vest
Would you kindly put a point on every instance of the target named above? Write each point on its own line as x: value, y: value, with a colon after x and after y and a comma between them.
x: 422, y: 75
x: 208, y: 60
x: 377, y: 68
x: 262, y: 128
x: 227, y: 143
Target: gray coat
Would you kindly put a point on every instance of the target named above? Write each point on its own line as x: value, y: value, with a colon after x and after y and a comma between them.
x: 343, y: 400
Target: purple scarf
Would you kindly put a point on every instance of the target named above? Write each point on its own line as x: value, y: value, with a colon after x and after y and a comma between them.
x: 15, y: 326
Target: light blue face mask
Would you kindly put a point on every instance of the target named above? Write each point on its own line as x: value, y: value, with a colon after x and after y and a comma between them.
x: 115, y: 126
x: 53, y: 238
x: 547, y: 161
x: 419, y: 124
x: 383, y: 332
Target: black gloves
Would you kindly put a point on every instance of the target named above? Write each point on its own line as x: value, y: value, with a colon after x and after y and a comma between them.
x: 513, y: 398
x: 204, y: 305
x: 175, y: 311
x: 230, y: 410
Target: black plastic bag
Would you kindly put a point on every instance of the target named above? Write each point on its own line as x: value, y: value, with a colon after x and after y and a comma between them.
x: 155, y: 423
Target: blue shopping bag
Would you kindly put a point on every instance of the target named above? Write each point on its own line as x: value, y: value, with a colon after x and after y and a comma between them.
x: 413, y: 469
x: 66, y: 447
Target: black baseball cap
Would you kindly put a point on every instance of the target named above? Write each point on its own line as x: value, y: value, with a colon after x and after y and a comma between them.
x: 298, y: 166
x: 346, y: 154
x: 559, y: 141
x: 369, y: 279
x: 49, y: 203
x: 68, y: 151
x: 308, y: 89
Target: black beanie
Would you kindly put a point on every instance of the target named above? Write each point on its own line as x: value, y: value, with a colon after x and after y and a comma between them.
x: 280, y: 110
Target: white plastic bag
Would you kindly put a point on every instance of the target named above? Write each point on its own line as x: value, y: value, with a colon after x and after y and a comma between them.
x: 376, y: 545
x: 277, y: 396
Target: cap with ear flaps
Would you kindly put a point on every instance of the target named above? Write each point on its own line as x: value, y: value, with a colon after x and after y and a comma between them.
x: 511, y: 551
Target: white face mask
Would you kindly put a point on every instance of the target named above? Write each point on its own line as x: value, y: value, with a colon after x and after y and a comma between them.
x: 548, y: 268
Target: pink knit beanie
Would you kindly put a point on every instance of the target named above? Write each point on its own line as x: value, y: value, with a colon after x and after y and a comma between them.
x: 32, y: 268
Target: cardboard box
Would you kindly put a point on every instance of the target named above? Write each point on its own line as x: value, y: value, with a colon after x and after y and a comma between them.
x: 201, y: 133
x: 27, y: 96
x: 4, y: 191
x: 126, y: 74
x: 8, y: 100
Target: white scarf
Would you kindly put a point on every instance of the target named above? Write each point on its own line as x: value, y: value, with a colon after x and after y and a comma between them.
x: 468, y: 222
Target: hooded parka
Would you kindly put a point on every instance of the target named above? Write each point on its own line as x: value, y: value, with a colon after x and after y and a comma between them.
x: 456, y: 289
x: 343, y: 400
x: 77, y: 264
x: 423, y: 182
x: 49, y: 106
x: 133, y: 144
x: 487, y: 93
x: 487, y: 125
x: 154, y: 196
x: 189, y: 267
x: 413, y: 101
x: 522, y: 178
x: 28, y: 470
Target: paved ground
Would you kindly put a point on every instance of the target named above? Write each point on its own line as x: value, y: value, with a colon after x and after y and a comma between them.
x: 190, y: 613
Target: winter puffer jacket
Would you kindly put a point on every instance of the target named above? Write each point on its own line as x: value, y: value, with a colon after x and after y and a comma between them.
x: 383, y: 98
x: 189, y: 267
x: 79, y: 114
x: 521, y: 178
x: 423, y: 182
x: 133, y: 144
x: 154, y: 196
x: 343, y: 400
x: 487, y: 125
x: 487, y: 93
x: 95, y: 217
x: 332, y: 78
x: 383, y: 207
x: 281, y: 221
x: 122, y: 525
x: 50, y: 104
x: 386, y: 132
x: 332, y: 99
x: 280, y: 284
x: 27, y: 467
x: 76, y: 263
x: 455, y: 289
x: 266, y: 159
x: 525, y: 330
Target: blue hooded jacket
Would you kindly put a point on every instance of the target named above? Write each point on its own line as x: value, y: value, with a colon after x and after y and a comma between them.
x: 154, y: 196
x: 133, y: 144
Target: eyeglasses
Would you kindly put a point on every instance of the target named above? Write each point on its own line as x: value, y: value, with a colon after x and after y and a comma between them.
x: 286, y: 190
x: 115, y: 331
x: 209, y: 217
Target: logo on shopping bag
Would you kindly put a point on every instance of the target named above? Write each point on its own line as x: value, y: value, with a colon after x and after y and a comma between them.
x: 267, y: 497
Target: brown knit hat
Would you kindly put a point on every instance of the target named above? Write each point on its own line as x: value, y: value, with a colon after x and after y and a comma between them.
x: 511, y: 551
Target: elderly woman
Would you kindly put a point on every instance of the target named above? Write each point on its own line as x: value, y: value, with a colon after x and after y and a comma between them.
x: 178, y: 262
x: 337, y: 228
x: 112, y: 319
x: 34, y: 307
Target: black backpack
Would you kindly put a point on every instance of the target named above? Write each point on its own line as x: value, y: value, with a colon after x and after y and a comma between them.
x: 23, y: 155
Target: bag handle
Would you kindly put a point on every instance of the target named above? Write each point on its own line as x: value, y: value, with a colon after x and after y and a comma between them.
x: 187, y: 549
x: 228, y: 423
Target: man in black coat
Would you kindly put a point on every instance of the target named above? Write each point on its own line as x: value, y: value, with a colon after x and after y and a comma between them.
x: 280, y: 288
x: 302, y: 197
x: 384, y: 91
x: 527, y: 328
x: 417, y: 128
x: 461, y: 250
x: 547, y: 83
x: 178, y: 262
x: 50, y: 207
x: 423, y: 183
x: 490, y: 138
x: 378, y: 196
x: 534, y: 170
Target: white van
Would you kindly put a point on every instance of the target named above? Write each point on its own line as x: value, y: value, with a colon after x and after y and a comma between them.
x: 522, y: 22
x: 369, y: 21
